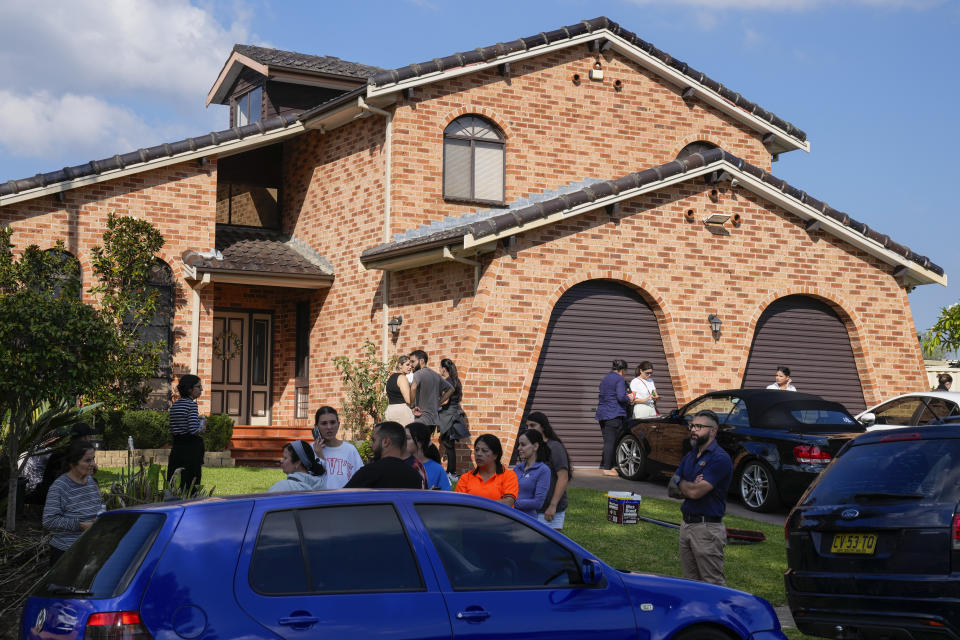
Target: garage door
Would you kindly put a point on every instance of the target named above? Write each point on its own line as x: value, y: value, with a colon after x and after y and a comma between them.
x: 591, y: 325
x: 807, y: 336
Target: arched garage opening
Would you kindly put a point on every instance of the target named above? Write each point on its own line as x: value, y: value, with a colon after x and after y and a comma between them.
x: 592, y: 324
x: 806, y: 335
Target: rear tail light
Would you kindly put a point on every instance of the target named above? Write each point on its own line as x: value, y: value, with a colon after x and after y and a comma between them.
x: 116, y: 625
x: 956, y: 532
x: 897, y: 437
x: 811, y: 454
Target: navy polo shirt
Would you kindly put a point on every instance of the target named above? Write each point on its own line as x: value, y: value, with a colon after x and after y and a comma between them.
x: 716, y: 468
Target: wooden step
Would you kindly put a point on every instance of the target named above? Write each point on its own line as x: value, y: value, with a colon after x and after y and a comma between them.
x: 262, y: 446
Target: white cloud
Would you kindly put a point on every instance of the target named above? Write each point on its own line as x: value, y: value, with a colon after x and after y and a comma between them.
x: 86, y: 79
x: 46, y: 124
x: 115, y: 47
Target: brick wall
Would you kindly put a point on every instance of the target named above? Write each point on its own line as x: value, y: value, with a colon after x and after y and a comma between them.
x: 333, y: 201
x: 180, y: 200
x: 683, y: 270
x: 556, y: 132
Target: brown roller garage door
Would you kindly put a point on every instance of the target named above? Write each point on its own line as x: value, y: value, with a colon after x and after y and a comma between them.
x: 809, y: 337
x: 591, y: 325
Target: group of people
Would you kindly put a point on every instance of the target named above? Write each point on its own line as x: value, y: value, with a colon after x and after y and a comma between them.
x: 417, y: 393
x: 403, y: 457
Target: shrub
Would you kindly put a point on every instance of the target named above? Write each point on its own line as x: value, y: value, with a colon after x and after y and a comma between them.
x: 150, y: 429
x: 365, y: 449
x: 218, y: 433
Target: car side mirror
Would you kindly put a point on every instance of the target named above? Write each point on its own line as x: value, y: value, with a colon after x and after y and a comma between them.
x: 591, y: 571
x: 868, y: 419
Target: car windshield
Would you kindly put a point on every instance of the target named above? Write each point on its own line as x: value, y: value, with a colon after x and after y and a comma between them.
x: 101, y: 562
x: 927, y: 470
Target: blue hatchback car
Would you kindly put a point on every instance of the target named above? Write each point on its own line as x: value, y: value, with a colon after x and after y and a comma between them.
x: 352, y: 564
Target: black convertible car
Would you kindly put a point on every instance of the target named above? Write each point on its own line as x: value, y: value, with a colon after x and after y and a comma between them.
x: 779, y: 441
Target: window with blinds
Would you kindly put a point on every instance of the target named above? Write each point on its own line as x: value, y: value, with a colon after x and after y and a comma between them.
x: 473, y: 161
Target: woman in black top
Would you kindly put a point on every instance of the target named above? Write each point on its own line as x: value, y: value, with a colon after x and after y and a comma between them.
x: 186, y: 427
x: 453, y: 421
x: 398, y: 394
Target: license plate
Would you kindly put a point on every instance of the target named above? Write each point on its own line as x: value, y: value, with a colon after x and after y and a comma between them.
x: 864, y: 543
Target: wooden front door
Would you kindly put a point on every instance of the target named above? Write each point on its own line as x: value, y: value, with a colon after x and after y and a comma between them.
x: 240, y: 381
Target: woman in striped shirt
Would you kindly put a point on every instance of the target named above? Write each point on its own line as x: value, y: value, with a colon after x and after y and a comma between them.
x: 73, y: 500
x: 186, y: 425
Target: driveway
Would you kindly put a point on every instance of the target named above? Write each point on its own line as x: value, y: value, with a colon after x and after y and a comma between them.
x: 657, y: 488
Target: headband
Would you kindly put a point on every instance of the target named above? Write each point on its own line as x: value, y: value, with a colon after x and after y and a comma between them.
x: 301, y: 452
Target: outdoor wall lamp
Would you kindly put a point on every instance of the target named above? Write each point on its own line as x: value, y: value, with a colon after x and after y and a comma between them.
x: 715, y: 323
x: 394, y: 325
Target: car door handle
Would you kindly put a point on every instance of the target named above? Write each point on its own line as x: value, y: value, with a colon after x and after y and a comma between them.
x: 299, y: 621
x: 473, y: 615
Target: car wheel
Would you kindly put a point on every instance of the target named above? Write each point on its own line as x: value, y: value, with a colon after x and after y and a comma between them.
x: 631, y: 458
x: 701, y: 633
x: 758, y: 489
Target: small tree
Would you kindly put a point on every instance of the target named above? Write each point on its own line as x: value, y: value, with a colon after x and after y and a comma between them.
x: 122, y: 266
x: 52, y: 346
x: 364, y: 381
x: 944, y: 336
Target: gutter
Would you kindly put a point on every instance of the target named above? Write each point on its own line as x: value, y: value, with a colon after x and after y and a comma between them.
x: 387, y: 164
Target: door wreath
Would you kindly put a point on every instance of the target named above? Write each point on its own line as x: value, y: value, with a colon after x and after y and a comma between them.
x: 227, y: 346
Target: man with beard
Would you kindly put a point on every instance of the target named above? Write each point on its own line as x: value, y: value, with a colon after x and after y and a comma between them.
x: 388, y: 469
x: 428, y: 391
x: 702, y: 481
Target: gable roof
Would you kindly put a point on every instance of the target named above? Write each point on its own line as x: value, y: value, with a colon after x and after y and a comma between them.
x: 603, y: 33
x: 457, y: 237
x: 216, y: 143
x: 289, y: 66
x: 306, y: 62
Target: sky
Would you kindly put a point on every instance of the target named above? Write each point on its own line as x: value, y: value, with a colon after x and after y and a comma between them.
x: 872, y: 82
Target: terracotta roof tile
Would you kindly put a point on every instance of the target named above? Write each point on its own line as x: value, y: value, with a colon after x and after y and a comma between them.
x: 486, y: 54
x: 488, y: 222
x: 247, y: 249
x: 306, y: 62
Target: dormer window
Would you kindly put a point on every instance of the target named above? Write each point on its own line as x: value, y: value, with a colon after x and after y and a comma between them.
x: 473, y: 161
x: 249, y: 107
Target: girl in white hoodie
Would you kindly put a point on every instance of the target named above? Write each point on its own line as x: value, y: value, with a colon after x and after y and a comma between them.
x: 304, y: 470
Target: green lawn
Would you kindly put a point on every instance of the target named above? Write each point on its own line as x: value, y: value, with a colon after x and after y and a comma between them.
x: 755, y: 568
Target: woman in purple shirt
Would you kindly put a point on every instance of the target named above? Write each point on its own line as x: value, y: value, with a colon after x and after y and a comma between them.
x: 533, y: 473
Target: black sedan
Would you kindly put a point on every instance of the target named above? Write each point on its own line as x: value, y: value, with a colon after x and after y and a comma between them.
x: 779, y: 441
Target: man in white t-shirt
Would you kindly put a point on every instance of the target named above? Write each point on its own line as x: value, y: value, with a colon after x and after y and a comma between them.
x: 341, y: 459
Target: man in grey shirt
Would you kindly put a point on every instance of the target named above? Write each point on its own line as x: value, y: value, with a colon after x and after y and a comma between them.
x: 428, y: 391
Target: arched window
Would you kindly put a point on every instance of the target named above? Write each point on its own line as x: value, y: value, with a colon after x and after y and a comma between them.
x: 695, y: 147
x: 473, y: 160
x: 66, y: 277
x: 160, y: 329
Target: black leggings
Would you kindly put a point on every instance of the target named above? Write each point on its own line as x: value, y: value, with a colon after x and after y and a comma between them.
x: 187, y: 453
x: 451, y: 448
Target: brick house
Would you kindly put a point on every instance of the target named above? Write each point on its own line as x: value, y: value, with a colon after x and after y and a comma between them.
x: 531, y: 210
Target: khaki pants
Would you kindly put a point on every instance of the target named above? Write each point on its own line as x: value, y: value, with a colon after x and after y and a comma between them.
x: 701, y: 551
